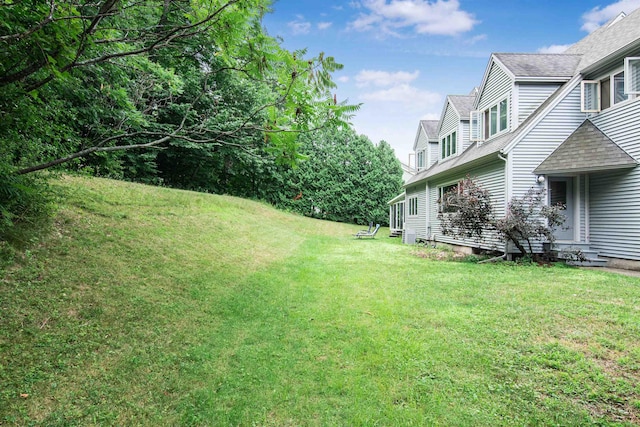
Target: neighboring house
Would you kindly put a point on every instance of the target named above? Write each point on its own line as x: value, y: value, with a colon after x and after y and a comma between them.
x: 568, y: 123
x: 402, y: 208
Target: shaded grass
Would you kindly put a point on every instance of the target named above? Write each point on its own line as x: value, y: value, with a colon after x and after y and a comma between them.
x: 158, y: 307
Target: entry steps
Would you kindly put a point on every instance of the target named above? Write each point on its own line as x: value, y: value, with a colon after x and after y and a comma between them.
x: 567, y: 252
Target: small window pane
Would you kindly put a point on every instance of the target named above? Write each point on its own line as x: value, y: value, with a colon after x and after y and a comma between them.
x: 632, y: 74
x: 475, y: 126
x: 590, y: 96
x: 453, y: 143
x: 494, y: 120
x: 605, y: 93
x: 618, y: 89
x: 503, y: 115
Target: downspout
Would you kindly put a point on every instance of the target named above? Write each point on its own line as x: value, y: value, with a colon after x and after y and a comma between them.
x: 506, y: 194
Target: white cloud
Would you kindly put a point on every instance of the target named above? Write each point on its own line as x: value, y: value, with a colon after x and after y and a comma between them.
x: 475, y: 39
x: 343, y: 79
x: 324, y: 25
x: 440, y: 17
x: 300, y: 26
x: 409, y: 96
x: 384, y: 78
x: 600, y: 15
x: 554, y: 48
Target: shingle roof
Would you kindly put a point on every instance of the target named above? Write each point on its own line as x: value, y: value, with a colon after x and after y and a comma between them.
x: 476, y: 152
x: 607, y: 39
x: 431, y: 128
x: 586, y: 149
x: 540, y: 64
x: 463, y: 105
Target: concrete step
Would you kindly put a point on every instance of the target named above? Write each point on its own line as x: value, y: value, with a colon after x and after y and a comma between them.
x: 590, y: 262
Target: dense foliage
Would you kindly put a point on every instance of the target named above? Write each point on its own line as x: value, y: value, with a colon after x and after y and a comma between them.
x: 349, y: 179
x: 467, y: 213
x: 188, y: 93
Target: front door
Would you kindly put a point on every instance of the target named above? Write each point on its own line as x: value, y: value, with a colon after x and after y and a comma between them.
x: 561, y: 192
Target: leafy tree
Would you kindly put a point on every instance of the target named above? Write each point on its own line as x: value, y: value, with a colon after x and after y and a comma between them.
x: 124, y: 88
x: 118, y: 50
x: 466, y: 212
x: 347, y: 178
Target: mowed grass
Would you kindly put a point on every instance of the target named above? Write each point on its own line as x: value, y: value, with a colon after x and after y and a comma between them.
x: 151, y: 306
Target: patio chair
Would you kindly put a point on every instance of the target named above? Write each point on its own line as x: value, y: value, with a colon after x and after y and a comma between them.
x: 364, y: 233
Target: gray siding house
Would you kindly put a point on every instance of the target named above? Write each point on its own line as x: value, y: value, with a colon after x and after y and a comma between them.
x: 425, y: 152
x: 568, y: 123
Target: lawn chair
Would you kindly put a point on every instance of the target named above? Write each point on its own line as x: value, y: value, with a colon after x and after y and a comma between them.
x: 364, y: 233
x: 369, y: 230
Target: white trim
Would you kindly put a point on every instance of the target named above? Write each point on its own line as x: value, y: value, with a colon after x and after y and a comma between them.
x: 576, y: 209
x: 598, y: 102
x: 587, y: 219
x: 570, y: 86
x: 628, y: 76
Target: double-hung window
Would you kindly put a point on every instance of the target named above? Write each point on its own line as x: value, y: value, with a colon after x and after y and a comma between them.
x: 449, y: 145
x: 413, y: 206
x: 420, y: 160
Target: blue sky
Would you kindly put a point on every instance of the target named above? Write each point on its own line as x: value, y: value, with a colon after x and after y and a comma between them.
x: 402, y: 57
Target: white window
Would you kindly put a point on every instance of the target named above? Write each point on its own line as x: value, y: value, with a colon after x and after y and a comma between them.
x: 413, y: 206
x: 632, y: 75
x: 492, y: 121
x: 445, y: 193
x: 590, y: 96
x: 619, y: 93
x: 420, y: 160
x: 476, y: 126
x: 449, y: 145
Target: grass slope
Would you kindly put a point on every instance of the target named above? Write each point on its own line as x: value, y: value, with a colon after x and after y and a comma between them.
x: 150, y: 306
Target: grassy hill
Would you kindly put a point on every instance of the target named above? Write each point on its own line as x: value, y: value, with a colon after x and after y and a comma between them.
x: 150, y: 306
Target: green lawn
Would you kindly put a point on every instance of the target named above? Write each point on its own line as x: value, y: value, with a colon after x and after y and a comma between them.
x: 155, y: 307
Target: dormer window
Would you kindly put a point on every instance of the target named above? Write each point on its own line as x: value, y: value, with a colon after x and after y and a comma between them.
x: 420, y: 160
x: 449, y: 145
x: 598, y: 95
x: 489, y: 122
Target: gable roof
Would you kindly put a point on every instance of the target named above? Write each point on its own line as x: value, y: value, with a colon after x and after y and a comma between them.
x: 587, y: 149
x: 429, y: 128
x: 463, y: 105
x: 537, y: 66
x: 495, y: 147
x: 617, y: 35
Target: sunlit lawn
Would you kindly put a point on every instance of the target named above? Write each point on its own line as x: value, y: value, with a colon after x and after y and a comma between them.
x: 156, y: 307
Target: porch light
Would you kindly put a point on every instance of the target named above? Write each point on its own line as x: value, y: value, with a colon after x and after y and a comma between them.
x: 540, y: 179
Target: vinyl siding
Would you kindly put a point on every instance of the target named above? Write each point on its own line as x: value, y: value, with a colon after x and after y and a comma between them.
x: 450, y: 123
x: 491, y: 178
x: 417, y: 222
x: 421, y: 144
x: 434, y: 152
x: 539, y: 143
x: 552, y: 130
x: 497, y: 86
x: 530, y: 97
x: 614, y: 209
x: 464, y: 137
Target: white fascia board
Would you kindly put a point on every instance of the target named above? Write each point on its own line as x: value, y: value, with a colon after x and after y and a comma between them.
x: 528, y: 79
x: 492, y: 58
